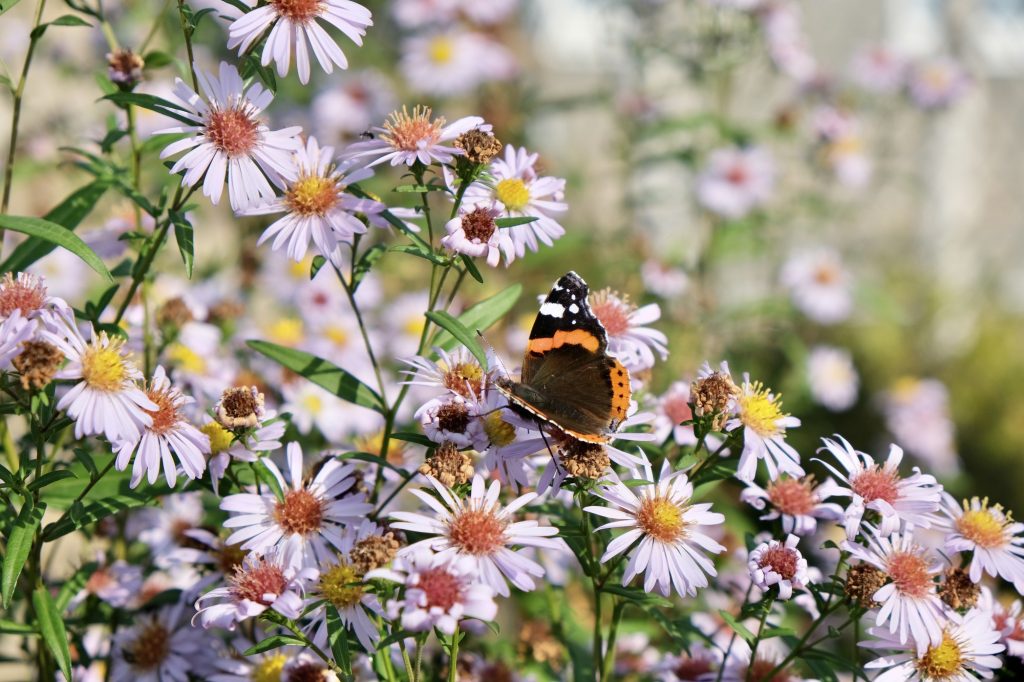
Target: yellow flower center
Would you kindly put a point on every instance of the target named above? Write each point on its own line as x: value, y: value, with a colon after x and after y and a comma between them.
x: 941, y: 661
x: 499, y: 431
x: 984, y: 527
x: 220, y: 438
x: 337, y: 335
x: 441, y: 50
x: 103, y: 366
x: 269, y: 669
x: 513, y: 193
x: 186, y: 359
x: 300, y: 269
x: 312, y: 403
x: 286, y: 331
x: 660, y: 518
x: 341, y: 585
x: 760, y: 410
x: 312, y: 195
x: 414, y: 326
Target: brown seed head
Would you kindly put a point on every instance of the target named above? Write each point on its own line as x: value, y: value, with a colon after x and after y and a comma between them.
x: 173, y: 314
x: 958, y: 590
x: 240, y: 407
x: 479, y: 147
x: 37, y: 363
x: 124, y: 68
x: 448, y: 465
x: 373, y: 552
x: 862, y: 581
x: 584, y: 460
x: 712, y: 395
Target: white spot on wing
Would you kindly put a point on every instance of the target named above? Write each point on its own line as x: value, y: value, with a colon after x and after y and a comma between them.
x: 552, y: 310
x: 574, y: 308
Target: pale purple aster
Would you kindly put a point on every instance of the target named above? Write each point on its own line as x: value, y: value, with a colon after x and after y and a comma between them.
x: 158, y: 647
x: 759, y: 414
x: 778, y: 564
x: 474, y: 233
x: 259, y: 583
x: 407, y: 138
x: 988, y: 532
x: 796, y: 501
x: 734, y: 181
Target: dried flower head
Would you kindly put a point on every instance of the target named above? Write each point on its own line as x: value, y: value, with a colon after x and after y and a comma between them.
x: 537, y: 642
x: 173, y: 314
x: 374, y: 551
x: 37, y: 364
x: 448, y: 465
x: 240, y: 407
x: 124, y: 68
x: 862, y: 581
x: 479, y: 146
x: 584, y: 460
x: 958, y: 590
x: 712, y: 395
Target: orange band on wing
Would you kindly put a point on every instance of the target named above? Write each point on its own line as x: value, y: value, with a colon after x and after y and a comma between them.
x: 621, y: 390
x: 576, y: 337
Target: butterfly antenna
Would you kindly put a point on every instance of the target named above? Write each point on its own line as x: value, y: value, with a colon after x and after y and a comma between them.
x: 494, y: 354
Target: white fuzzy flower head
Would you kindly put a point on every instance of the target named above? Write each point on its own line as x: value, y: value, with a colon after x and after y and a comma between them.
x: 454, y: 61
x: 778, y: 564
x: 990, y: 534
x: 229, y: 139
x: 819, y: 285
x: 878, y: 69
x: 918, y: 415
x: 296, y: 23
x: 475, y: 234
x: 759, y: 413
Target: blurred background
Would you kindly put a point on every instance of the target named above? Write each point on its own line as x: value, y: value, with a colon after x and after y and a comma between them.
x: 826, y: 194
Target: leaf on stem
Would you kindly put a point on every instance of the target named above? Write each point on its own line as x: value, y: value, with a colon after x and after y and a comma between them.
x: 459, y: 332
x: 19, y: 545
x: 482, y: 315
x: 56, y: 230
x: 51, y: 627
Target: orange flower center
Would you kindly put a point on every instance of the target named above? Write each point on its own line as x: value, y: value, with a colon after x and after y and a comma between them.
x: 477, y: 531
x: 612, y: 310
x: 409, y: 133
x: 232, y: 131
x: 877, y: 483
x: 780, y: 559
x: 793, y: 496
x: 442, y: 589
x: 298, y: 11
x: 909, y: 571
x: 166, y: 416
x: 256, y: 580
x: 300, y: 512
x: 150, y: 647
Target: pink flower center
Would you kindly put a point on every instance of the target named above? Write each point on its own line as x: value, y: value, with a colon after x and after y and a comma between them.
x: 676, y: 407
x: 232, y: 131
x: 877, y: 483
x: 254, y: 580
x: 410, y: 133
x: 298, y: 11
x: 441, y: 589
x: 479, y: 224
x: 692, y: 669
x: 612, y: 311
x: 793, y: 496
x: 477, y: 531
x: 780, y: 559
x: 909, y: 571
x: 300, y: 512
x: 26, y: 293
x: 737, y: 174
x: 826, y: 274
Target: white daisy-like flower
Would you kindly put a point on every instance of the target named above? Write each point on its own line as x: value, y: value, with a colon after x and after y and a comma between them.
x: 629, y: 337
x: 878, y: 69
x: 352, y: 103
x: 217, y: 559
x: 516, y: 188
x: 967, y: 649
x: 819, y: 285
x: 229, y: 139
x: 453, y: 61
x: 316, y: 206
x: 918, y: 415
x: 671, y: 410
x: 475, y: 234
x: 295, y: 23
x: 778, y: 564
x: 881, y: 488
x: 115, y: 583
x: 990, y: 534
x: 258, y: 584
x: 670, y: 533
x: 1007, y: 620
x: 407, y: 138
x: 452, y: 418
x: 439, y: 591
x: 693, y: 666
x: 226, y: 446
x: 797, y: 501
x: 832, y: 378
x: 168, y: 435
x: 736, y: 181
x: 267, y: 666
x: 481, y: 529
x: 307, y: 522
x: 909, y: 602
x: 163, y: 528
x: 341, y: 585
x: 158, y: 647
x: 26, y: 293
x: 457, y: 372
x: 759, y: 413
x: 106, y: 400
x: 937, y: 82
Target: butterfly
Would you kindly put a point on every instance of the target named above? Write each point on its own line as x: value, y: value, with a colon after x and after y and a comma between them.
x: 568, y: 378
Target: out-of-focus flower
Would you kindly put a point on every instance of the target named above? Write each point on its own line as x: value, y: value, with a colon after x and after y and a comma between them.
x: 832, y: 378
x: 663, y: 280
x: 158, y: 647
x: 516, y: 187
x: 168, y: 433
x: 124, y: 68
x: 306, y: 523
x: 878, y: 69
x: 966, y: 649
x: 314, y: 407
x: 937, y: 83
x: 482, y: 530
x: 672, y: 409
x: 670, y: 533
x: 15, y: 330
x: 262, y: 667
x: 454, y: 61
x: 116, y: 583
x: 842, y: 146
x: 316, y: 206
x: 991, y: 536
x: 787, y: 41
x: 759, y: 413
x: 416, y: 13
x: 778, y: 564
x: 911, y: 499
x: 228, y: 139
x: 819, y: 285
x: 163, y: 528
x: 475, y: 234
x: 917, y: 414
x: 909, y: 603
x: 407, y: 138
x: 629, y: 339
x: 299, y: 22
x: 353, y: 104
x: 105, y: 400
x: 796, y: 501
x: 697, y: 665
x: 440, y: 590
x: 735, y: 181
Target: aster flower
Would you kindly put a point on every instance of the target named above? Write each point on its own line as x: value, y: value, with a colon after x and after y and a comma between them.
x: 832, y: 378
x: 451, y: 418
x: 163, y: 528
x: 990, y: 534
x: 670, y: 532
x: 353, y: 102
x: 671, y: 410
x: 457, y: 372
x: 917, y: 414
x: 967, y: 649
x: 258, y: 584
x: 735, y: 181
x: 1007, y: 620
x: 263, y: 667
x: 450, y: 62
x: 158, y: 647
x: 440, y: 590
x: 819, y: 285
x: 909, y: 602
x: 407, y: 138
x: 878, y: 69
x: 937, y: 82
x: 692, y: 666
x: 116, y: 583
x: 794, y: 500
x: 759, y: 413
x: 629, y: 339
x: 226, y: 445
x: 778, y: 564
x: 168, y: 433
x: 481, y: 529
x: 881, y: 488
x: 228, y: 139
x: 15, y: 330
x: 475, y: 234
x: 307, y: 521
x: 217, y: 559
x: 299, y: 22
x: 517, y: 189
x: 26, y: 293
x: 316, y: 206
x: 105, y: 400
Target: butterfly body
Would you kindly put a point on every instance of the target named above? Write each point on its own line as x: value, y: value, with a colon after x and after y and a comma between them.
x: 568, y: 378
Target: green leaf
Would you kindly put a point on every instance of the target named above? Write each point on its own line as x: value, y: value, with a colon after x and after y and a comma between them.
x: 19, y: 544
x: 69, y: 20
x: 425, y: 254
x: 737, y: 627
x: 375, y: 459
x: 273, y: 642
x: 768, y: 633
x: 642, y: 599
x: 74, y: 584
x: 512, y: 222
x: 69, y: 213
x: 56, y: 234
x: 484, y: 314
x: 366, y: 263
x: 322, y: 373
x: 472, y: 269
x: 51, y: 627
x: 265, y: 475
x: 153, y: 103
x: 337, y: 637
x: 417, y: 438
x: 459, y: 332
x: 100, y: 509
x: 394, y: 637
x: 52, y: 477
x: 7, y: 4
x: 183, y: 235
x: 314, y: 267
x: 9, y: 627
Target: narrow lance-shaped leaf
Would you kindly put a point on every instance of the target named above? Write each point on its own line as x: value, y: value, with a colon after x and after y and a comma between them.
x: 460, y: 333
x: 51, y: 627
x: 482, y: 315
x: 56, y: 234
x: 19, y: 545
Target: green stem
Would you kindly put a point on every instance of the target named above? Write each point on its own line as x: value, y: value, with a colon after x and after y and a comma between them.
x: 732, y: 640
x: 187, y: 32
x: 154, y: 28
x: 13, y: 461
x: 453, y: 660
x: 420, y: 641
x: 767, y: 608
x: 609, y: 655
